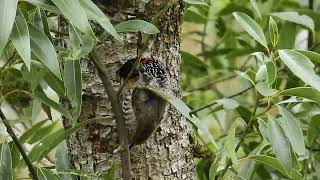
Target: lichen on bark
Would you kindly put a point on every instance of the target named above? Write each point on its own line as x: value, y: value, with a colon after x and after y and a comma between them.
x: 167, y: 154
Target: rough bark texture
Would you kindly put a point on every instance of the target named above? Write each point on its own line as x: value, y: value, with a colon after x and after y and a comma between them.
x: 167, y: 154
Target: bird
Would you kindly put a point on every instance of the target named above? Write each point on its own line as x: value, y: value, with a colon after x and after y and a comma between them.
x: 143, y: 110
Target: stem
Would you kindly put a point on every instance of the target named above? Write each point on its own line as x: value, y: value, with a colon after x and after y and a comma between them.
x: 117, y: 110
x: 310, y: 35
x: 19, y: 146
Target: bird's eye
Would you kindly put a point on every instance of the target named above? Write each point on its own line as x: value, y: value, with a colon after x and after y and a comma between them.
x: 145, y: 61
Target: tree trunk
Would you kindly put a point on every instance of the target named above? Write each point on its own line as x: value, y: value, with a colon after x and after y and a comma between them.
x: 167, y: 154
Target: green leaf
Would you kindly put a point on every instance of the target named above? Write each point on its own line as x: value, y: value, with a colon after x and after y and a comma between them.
x: 46, y: 174
x: 279, y: 143
x: 270, y: 161
x: 256, y: 8
x: 63, y: 161
x: 42, y: 48
x: 273, y: 31
x: 8, y: 10
x: 41, y: 96
x: 301, y: 66
x: 214, y: 167
x: 271, y: 72
x: 6, y: 172
x: 196, y: 2
x: 185, y: 111
x: 136, y: 26
x: 112, y: 173
x: 43, y: 147
x: 81, y: 44
x: 313, y: 56
x: 293, y: 131
x: 94, y: 13
x: 274, y: 163
x: 247, y: 168
x: 44, y: 4
x: 294, y: 17
x: 40, y: 21
x: 21, y: 39
x: 261, y: 74
x: 73, y: 83
x: 74, y: 12
x: 231, y: 143
x: 313, y: 129
x: 252, y: 27
x: 263, y: 128
x: 29, y: 134
x: 265, y: 90
x: 305, y: 92
x: 287, y: 36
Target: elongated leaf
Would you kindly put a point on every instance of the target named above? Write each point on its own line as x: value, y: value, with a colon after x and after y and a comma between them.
x: 279, y: 143
x: 287, y: 37
x: 313, y: 56
x: 305, y: 92
x: 273, y: 31
x: 63, y: 161
x: 247, y: 168
x: 292, y: 129
x: 263, y: 128
x: 44, y: 4
x: 252, y: 27
x: 23, y: 138
x: 73, y: 84
x: 112, y: 173
x: 296, y: 18
x: 42, y: 48
x: 270, y: 161
x: 231, y: 142
x: 185, y: 111
x: 263, y: 89
x: 21, y: 39
x: 6, y: 172
x: 301, y: 66
x: 51, y: 141
x: 46, y: 174
x: 40, y: 21
x: 313, y: 129
x: 81, y: 44
x: 76, y: 14
x: 214, y: 167
x: 8, y: 10
x: 136, y: 26
x: 271, y: 72
x: 41, y: 96
x: 94, y: 13
x: 256, y: 8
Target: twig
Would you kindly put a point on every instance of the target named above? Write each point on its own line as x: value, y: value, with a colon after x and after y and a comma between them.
x: 310, y: 34
x: 19, y: 146
x: 117, y: 109
x: 214, y: 102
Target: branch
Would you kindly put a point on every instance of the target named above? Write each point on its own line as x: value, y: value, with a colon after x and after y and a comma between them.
x: 214, y: 102
x: 19, y: 146
x: 117, y: 110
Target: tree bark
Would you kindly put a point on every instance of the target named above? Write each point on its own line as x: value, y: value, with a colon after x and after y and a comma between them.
x: 167, y: 154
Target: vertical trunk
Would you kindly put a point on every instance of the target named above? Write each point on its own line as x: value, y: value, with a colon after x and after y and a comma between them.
x: 167, y: 154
